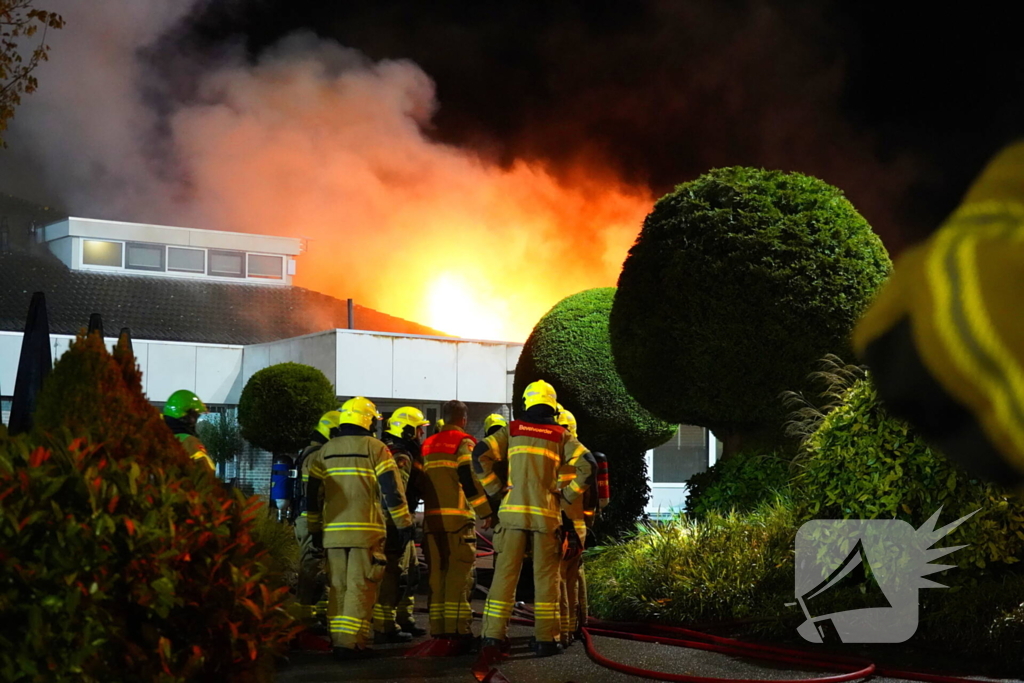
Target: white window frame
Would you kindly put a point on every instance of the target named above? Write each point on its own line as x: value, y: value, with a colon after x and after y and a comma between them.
x: 82, y: 265
x: 188, y: 273
x: 264, y: 278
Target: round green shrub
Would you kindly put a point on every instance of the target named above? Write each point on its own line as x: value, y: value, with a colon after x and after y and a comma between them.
x: 738, y: 283
x: 739, y: 483
x: 570, y: 348
x: 862, y: 463
x: 281, y: 404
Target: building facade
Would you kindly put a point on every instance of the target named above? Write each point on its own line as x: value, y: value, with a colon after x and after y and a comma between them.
x: 208, y: 309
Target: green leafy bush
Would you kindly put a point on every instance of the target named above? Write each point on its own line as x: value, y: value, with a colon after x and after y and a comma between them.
x: 221, y: 435
x: 740, y: 483
x: 738, y: 283
x: 281, y: 404
x: 863, y: 463
x: 570, y: 348
x: 119, y: 558
x: 723, y: 567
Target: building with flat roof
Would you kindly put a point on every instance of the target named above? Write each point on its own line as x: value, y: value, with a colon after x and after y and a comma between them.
x: 207, y: 309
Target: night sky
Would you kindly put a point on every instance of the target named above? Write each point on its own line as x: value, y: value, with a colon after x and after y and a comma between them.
x: 898, y: 109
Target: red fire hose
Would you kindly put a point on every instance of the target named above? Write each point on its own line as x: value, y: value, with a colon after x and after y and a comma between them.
x: 851, y: 668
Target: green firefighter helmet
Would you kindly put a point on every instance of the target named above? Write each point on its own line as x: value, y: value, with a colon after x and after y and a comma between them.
x: 181, y: 402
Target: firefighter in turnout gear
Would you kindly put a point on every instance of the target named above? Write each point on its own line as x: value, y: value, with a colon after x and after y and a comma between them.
x: 357, y: 474
x: 452, y: 499
x: 393, y: 614
x: 944, y: 336
x: 493, y: 423
x: 574, y: 527
x: 536, y: 448
x: 181, y: 414
x: 310, y: 559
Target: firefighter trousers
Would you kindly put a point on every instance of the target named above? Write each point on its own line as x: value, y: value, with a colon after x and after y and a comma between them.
x: 511, y: 546
x: 450, y: 557
x: 355, y: 575
x: 311, y: 563
x: 572, y: 598
x: 397, y: 590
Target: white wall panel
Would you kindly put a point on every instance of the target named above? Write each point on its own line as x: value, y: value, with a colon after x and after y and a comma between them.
x: 60, y: 345
x: 512, y: 352
x: 424, y: 369
x: 218, y: 374
x: 10, y: 354
x: 481, y: 372
x: 171, y: 367
x: 254, y: 359
x: 365, y: 365
x: 141, y: 351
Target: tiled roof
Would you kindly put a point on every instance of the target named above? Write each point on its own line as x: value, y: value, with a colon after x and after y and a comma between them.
x: 164, y: 308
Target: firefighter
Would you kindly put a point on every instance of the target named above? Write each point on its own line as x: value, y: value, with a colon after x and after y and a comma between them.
x: 451, y: 494
x: 944, y: 338
x: 181, y: 414
x: 536, y: 447
x: 574, y: 529
x: 493, y: 423
x: 310, y: 559
x: 357, y: 474
x: 393, y: 620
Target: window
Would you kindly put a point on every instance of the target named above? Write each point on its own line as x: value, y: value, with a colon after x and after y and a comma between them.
x: 186, y: 260
x: 100, y: 253
x: 227, y: 263
x: 683, y: 456
x: 266, y: 266
x: 144, y: 256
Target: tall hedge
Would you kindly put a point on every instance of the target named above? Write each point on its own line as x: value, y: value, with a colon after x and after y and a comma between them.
x: 862, y: 463
x: 738, y: 283
x: 281, y: 404
x: 122, y: 559
x: 570, y: 348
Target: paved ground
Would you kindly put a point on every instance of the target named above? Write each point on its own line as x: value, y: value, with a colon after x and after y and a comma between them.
x: 389, y: 664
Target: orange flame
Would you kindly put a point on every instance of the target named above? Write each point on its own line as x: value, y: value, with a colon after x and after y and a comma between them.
x: 395, y: 220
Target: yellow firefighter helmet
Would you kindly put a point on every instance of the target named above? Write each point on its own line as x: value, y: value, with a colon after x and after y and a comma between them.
x: 540, y: 393
x: 406, y: 417
x: 359, y: 411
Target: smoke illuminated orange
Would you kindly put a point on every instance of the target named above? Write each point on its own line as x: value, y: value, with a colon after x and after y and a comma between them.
x: 399, y: 222
x: 319, y: 142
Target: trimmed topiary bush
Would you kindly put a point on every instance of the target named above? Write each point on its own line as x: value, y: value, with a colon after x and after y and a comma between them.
x: 120, y: 559
x: 281, y: 404
x: 738, y: 283
x: 863, y: 463
x: 571, y: 349
x: 739, y: 484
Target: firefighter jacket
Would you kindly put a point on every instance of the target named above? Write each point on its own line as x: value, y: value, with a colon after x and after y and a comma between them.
x: 357, y: 474
x: 301, y: 504
x: 195, y: 448
x: 450, y: 491
x: 409, y: 462
x: 580, y: 511
x: 534, y: 491
x: 186, y: 435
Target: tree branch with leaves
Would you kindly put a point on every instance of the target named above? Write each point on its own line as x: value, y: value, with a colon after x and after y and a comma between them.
x: 21, y: 23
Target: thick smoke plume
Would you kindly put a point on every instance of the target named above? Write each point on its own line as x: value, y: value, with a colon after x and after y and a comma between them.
x: 317, y: 141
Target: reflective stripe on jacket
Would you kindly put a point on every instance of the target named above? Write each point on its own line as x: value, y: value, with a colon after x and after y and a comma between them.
x: 357, y: 473
x: 195, y: 449
x: 450, y: 491
x: 533, y: 492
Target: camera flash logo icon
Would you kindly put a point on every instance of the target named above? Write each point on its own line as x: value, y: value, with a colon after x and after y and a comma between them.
x: 886, y: 560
